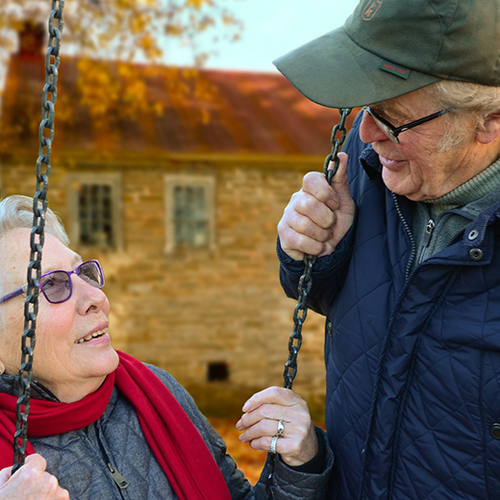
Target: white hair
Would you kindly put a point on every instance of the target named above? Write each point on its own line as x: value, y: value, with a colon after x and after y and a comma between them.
x: 16, y: 212
x: 465, y: 98
x: 469, y: 105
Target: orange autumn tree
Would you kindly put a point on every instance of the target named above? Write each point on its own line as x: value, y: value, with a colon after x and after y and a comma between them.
x: 120, y: 44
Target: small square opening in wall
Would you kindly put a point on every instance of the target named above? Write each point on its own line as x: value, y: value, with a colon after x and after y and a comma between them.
x: 217, y: 372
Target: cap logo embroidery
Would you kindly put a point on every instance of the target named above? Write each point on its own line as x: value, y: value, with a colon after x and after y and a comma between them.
x: 371, y: 9
x: 395, y: 69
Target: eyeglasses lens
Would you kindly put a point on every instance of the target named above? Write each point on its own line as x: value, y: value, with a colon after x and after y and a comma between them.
x: 387, y: 131
x: 56, y: 286
x: 90, y: 272
x: 382, y: 126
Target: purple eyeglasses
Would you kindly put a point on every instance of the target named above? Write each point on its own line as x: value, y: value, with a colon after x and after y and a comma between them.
x: 57, y: 287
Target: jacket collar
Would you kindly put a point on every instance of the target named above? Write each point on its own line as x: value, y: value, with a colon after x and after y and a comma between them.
x: 9, y: 385
x: 370, y: 162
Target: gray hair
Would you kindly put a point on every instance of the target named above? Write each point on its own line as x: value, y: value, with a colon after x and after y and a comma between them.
x: 16, y: 212
x: 466, y: 101
x: 465, y: 98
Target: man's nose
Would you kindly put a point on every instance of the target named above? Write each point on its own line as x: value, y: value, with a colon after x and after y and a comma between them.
x: 369, y: 131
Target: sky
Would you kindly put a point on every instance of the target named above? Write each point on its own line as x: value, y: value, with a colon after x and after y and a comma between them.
x: 271, y: 28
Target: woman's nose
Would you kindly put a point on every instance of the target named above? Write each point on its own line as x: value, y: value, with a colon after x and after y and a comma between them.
x: 369, y: 131
x: 90, y: 298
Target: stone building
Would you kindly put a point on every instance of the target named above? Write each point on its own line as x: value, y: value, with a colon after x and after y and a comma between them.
x: 179, y: 201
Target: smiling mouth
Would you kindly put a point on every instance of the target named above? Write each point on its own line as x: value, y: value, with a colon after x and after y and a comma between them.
x: 389, y: 161
x: 94, y: 335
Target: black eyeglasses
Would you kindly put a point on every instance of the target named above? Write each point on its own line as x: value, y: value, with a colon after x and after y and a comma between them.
x: 57, y: 287
x: 391, y: 131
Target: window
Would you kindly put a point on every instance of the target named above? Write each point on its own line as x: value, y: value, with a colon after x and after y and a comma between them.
x: 189, y: 212
x: 95, y: 210
x: 217, y: 372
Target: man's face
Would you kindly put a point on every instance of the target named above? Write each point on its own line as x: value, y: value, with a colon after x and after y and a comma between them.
x: 416, y: 168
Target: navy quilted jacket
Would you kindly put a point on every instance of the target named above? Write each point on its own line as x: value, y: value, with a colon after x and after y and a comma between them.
x: 412, y: 357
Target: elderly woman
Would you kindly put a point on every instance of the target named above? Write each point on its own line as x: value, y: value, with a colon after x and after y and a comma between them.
x: 108, y: 426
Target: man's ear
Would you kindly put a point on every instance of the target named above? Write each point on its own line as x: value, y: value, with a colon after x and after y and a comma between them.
x: 2, y: 368
x: 490, y: 129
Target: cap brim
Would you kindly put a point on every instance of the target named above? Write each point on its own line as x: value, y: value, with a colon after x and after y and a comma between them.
x: 334, y: 71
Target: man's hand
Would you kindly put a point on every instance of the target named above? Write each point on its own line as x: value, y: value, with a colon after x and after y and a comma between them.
x: 318, y: 216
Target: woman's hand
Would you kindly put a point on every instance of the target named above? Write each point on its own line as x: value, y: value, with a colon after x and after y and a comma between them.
x: 264, y: 410
x: 31, y: 482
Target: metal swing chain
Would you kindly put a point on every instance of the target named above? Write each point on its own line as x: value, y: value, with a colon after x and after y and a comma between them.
x: 305, y: 284
x: 46, y: 135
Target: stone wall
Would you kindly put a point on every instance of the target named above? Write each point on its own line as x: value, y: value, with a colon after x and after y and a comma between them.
x: 184, y: 310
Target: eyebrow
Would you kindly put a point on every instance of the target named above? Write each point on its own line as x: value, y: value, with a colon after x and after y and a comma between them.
x: 390, y: 113
x: 76, y: 261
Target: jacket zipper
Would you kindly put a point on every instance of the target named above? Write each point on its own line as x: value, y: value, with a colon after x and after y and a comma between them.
x: 119, y: 480
x: 410, y: 236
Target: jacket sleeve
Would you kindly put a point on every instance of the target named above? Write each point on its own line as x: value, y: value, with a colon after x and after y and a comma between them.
x: 327, y: 276
x: 289, y: 483
x: 329, y: 271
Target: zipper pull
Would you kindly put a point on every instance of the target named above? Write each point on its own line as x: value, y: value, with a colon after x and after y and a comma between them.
x: 118, y: 478
x: 429, y: 228
x: 428, y: 232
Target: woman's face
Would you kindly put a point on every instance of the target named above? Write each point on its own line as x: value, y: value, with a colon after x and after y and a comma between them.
x: 64, y: 364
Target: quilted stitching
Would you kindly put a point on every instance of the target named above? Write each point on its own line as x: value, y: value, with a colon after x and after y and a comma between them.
x: 413, y: 369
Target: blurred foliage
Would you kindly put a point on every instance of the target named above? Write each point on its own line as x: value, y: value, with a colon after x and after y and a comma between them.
x: 128, y: 30
x: 135, y: 35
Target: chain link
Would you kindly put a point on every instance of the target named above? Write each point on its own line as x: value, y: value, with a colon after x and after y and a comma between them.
x: 46, y: 135
x: 305, y: 284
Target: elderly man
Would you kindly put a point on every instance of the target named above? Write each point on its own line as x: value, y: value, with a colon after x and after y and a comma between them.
x: 409, y: 243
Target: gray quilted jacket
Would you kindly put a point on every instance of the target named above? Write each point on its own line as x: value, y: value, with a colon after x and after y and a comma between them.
x: 96, y: 464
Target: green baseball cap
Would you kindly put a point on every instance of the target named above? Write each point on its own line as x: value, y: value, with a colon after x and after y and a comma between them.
x: 387, y: 48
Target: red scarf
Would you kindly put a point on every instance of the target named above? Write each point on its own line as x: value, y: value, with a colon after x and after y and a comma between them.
x: 172, y: 437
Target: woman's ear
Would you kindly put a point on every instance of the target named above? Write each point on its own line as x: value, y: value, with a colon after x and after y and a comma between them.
x: 489, y: 130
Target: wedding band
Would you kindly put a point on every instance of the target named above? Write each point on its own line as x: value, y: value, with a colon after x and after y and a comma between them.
x: 281, y: 429
x: 274, y: 441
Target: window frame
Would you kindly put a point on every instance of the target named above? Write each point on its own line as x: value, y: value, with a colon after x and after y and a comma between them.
x: 171, y: 181
x: 114, y: 180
